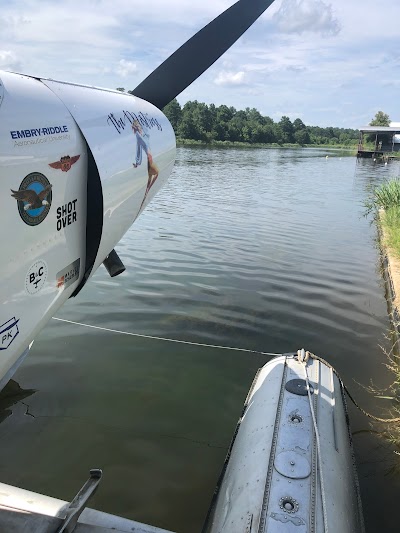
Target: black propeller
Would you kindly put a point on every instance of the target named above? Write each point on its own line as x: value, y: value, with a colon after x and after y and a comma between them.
x: 199, y: 53
x: 187, y: 64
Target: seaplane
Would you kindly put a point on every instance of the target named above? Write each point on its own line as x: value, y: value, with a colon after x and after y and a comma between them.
x: 78, y: 164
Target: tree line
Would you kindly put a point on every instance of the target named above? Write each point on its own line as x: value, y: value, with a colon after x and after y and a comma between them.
x: 201, y: 122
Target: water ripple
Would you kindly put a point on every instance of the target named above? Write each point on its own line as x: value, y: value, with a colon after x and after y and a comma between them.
x: 259, y: 249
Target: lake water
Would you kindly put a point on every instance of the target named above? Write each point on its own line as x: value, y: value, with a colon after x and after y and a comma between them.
x: 250, y: 248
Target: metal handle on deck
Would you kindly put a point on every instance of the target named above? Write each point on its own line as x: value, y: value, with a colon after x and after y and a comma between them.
x: 78, y: 504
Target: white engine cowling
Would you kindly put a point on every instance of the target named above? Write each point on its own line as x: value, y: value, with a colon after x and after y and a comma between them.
x: 77, y: 166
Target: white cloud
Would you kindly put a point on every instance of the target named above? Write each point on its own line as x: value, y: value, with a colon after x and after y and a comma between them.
x: 9, y: 61
x: 184, y: 12
x: 51, y: 23
x: 285, y: 56
x: 125, y: 68
x: 226, y: 78
x: 11, y: 21
x: 299, y: 16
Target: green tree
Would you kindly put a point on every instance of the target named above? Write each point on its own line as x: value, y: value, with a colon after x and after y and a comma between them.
x: 298, y: 124
x: 224, y: 113
x: 278, y: 134
x: 287, y: 130
x: 247, y: 133
x: 173, y: 112
x: 187, y: 128
x: 253, y: 115
x: 380, y: 119
x: 302, y: 137
x: 220, y: 131
x: 199, y: 121
x: 268, y: 133
x: 202, y: 117
x: 213, y: 113
x: 234, y: 134
x: 258, y: 133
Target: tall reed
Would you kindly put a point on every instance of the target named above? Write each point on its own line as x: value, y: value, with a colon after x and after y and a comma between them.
x: 385, y: 196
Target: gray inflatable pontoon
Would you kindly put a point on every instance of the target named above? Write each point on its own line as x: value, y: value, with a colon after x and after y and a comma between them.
x: 290, y: 468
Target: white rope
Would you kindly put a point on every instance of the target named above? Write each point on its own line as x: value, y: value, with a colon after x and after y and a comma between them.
x: 165, y: 338
x: 304, y: 361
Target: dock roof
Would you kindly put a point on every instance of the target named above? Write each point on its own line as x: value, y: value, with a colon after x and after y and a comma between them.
x: 380, y: 129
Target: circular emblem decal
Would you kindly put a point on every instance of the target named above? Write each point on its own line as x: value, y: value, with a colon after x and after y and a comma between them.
x: 33, y: 198
x: 36, y: 277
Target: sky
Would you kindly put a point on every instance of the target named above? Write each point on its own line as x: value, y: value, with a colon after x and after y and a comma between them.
x: 328, y: 63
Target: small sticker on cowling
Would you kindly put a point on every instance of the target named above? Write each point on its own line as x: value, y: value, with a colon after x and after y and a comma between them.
x: 66, y: 214
x: 36, y: 277
x: 34, y: 198
x: 65, y: 163
x: 8, y: 331
x: 68, y: 275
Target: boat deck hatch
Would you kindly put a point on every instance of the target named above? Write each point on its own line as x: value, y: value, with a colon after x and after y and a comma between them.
x: 292, y: 465
x: 298, y: 386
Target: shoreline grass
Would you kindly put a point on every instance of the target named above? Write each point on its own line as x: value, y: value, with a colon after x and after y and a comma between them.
x: 238, y: 144
x: 390, y: 223
x: 384, y: 203
x: 384, y: 197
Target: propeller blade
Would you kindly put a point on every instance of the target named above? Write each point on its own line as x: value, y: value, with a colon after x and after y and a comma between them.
x: 199, y: 53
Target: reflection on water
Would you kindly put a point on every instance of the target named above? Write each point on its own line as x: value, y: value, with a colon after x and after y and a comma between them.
x: 259, y: 249
x: 11, y: 395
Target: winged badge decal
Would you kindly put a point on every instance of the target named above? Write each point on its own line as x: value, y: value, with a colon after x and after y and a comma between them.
x: 65, y: 163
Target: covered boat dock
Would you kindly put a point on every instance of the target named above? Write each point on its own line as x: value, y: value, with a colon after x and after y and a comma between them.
x: 385, y: 141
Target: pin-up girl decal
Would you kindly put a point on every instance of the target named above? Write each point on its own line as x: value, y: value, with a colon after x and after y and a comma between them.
x: 142, y: 145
